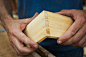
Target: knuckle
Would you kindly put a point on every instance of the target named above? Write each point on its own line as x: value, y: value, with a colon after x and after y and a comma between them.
x: 22, y: 38
x: 32, y: 50
x: 75, y: 41
x: 27, y: 41
x: 83, y: 20
x: 21, y: 51
x: 73, y: 32
x: 37, y: 46
x: 13, y: 32
x: 23, y: 35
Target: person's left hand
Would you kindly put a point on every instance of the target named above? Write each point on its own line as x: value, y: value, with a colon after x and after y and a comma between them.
x: 76, y: 34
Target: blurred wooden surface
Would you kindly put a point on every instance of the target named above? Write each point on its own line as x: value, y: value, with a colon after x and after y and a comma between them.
x: 14, y: 6
x: 6, y: 49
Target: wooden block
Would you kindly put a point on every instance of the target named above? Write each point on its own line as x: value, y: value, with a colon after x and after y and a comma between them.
x: 43, y: 52
x: 47, y: 24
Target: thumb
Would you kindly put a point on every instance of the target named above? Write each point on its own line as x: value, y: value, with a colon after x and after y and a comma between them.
x: 28, y: 20
x: 36, y: 14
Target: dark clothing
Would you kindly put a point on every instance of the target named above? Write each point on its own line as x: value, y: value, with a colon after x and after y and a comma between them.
x: 27, y: 8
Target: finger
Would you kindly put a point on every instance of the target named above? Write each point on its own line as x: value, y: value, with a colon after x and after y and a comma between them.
x: 77, y: 37
x: 36, y: 14
x: 22, y: 37
x: 22, y: 49
x: 80, y: 43
x: 70, y: 32
x: 79, y: 21
x: 84, y: 45
x: 65, y: 12
x: 15, y: 49
x: 28, y: 20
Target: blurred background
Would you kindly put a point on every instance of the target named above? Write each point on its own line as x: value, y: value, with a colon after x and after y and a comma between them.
x: 6, y: 45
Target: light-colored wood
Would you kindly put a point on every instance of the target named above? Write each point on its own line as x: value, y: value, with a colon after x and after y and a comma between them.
x: 47, y: 24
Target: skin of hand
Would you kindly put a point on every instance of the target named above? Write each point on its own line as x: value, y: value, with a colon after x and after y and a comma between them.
x: 76, y: 34
x: 14, y: 30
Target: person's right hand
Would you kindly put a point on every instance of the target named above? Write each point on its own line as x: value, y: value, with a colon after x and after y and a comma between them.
x: 14, y: 30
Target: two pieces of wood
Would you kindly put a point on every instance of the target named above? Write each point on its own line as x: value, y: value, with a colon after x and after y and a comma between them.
x: 47, y: 24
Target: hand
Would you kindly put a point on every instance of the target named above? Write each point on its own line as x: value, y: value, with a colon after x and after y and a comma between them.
x: 14, y: 30
x: 76, y: 34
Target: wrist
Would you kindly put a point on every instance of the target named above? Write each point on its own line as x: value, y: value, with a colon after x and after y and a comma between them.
x: 6, y: 19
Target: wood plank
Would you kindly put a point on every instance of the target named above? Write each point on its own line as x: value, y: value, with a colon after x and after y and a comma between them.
x: 43, y: 52
x: 47, y: 24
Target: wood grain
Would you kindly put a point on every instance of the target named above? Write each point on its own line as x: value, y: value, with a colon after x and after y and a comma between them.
x: 47, y: 24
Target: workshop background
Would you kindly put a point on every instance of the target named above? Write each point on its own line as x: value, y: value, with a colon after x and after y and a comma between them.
x: 6, y: 49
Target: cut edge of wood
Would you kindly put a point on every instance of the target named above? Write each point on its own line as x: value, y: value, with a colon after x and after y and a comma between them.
x: 46, y: 37
x: 47, y: 34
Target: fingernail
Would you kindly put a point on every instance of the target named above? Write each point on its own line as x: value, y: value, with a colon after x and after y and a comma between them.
x: 59, y: 42
x: 35, y: 46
